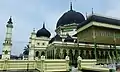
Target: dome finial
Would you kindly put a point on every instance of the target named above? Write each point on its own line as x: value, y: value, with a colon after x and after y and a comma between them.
x: 86, y: 15
x: 33, y: 29
x: 43, y: 24
x: 10, y: 20
x: 92, y: 11
x: 43, y: 32
x: 70, y: 5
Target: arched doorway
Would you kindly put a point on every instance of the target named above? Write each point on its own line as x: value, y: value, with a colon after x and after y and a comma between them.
x: 57, y: 55
x: 71, y: 57
x: 64, y: 53
x: 43, y: 53
x: 75, y: 58
x: 37, y: 54
x: 87, y: 55
x: 93, y: 54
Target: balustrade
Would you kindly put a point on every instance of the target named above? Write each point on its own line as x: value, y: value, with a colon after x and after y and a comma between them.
x: 42, y: 64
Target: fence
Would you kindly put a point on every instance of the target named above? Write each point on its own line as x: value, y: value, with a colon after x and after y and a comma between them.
x: 42, y: 65
x: 16, y: 64
x: 90, y: 65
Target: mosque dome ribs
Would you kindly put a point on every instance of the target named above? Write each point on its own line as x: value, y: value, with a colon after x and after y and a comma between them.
x: 43, y: 32
x: 70, y: 17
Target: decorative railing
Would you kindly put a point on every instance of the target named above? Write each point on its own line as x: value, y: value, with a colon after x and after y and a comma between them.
x: 54, y: 65
x: 16, y: 64
x: 105, y: 61
x: 90, y: 65
x: 42, y: 65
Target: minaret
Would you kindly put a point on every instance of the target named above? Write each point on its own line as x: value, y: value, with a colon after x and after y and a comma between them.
x: 92, y: 11
x: 32, y: 45
x: 6, y: 52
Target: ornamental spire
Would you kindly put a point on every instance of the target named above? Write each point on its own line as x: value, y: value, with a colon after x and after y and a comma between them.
x: 92, y: 11
x: 86, y: 15
x: 70, y: 5
x: 33, y: 32
x: 10, y: 20
x: 43, y: 24
x: 33, y: 29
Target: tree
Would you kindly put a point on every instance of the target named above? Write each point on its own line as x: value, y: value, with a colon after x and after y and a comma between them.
x: 26, y: 50
x: 21, y: 56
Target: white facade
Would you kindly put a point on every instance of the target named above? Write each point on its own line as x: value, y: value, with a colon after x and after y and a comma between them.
x: 37, y: 46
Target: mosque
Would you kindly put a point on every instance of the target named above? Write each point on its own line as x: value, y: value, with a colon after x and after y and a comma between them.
x: 94, y: 37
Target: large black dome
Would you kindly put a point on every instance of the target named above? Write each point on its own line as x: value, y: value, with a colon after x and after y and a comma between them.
x: 43, y: 32
x: 70, y: 17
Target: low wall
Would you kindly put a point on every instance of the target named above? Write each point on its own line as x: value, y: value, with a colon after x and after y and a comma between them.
x: 87, y: 65
x: 46, y: 65
x: 16, y: 64
x: 55, y: 65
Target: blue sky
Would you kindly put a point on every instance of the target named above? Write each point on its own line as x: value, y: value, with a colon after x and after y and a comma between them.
x: 29, y: 14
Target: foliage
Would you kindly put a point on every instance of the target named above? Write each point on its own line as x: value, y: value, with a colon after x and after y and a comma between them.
x: 26, y: 50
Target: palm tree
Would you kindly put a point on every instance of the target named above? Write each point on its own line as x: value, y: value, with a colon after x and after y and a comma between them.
x: 21, y: 56
x: 26, y: 50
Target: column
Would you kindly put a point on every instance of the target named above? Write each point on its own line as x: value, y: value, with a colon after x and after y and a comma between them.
x: 95, y: 45
x: 67, y: 50
x: 90, y: 54
x: 61, y: 53
x: 54, y: 53
x: 73, y: 51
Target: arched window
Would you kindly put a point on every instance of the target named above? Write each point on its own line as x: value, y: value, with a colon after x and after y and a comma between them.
x: 38, y: 43
x: 43, y: 53
x: 37, y: 54
x: 6, y: 52
x: 43, y: 43
x: 64, y: 53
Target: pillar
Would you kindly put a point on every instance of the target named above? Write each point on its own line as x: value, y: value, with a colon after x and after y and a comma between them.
x: 54, y: 53
x: 73, y: 51
x: 95, y: 45
x: 67, y: 50
x: 61, y: 53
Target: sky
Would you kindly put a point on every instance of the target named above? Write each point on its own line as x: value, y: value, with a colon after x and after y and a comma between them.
x: 29, y: 14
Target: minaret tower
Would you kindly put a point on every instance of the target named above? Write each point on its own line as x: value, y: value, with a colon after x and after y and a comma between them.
x: 32, y: 45
x: 6, y: 52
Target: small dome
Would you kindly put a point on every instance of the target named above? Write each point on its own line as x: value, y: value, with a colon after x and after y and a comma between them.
x: 43, y: 32
x: 69, y: 39
x: 56, y: 38
x: 70, y: 17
